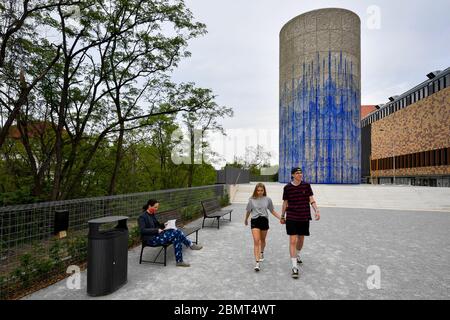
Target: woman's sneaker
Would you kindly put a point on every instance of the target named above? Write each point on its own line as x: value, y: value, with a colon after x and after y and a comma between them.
x: 257, y: 268
x: 261, y: 257
x: 183, y: 264
x: 294, y: 273
x: 299, y: 261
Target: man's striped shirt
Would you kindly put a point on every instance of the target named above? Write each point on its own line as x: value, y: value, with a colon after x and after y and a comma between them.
x: 298, y: 201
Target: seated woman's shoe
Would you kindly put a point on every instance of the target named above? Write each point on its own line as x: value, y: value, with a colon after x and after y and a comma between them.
x: 183, y: 264
x: 196, y: 246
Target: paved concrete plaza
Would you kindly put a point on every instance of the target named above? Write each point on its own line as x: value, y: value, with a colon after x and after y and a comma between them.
x: 410, y: 248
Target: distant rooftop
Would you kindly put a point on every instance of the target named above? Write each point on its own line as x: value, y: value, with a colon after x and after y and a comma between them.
x: 366, y: 109
x: 436, y: 81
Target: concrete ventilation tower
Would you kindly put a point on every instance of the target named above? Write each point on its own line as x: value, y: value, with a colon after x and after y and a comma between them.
x: 320, y: 97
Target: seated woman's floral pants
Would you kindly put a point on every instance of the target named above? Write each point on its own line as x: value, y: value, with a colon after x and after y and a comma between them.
x: 174, y: 236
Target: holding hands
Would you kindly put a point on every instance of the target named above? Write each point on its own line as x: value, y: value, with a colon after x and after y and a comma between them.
x: 317, y: 215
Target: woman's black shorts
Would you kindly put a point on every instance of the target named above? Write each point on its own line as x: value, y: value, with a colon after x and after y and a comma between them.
x: 261, y: 223
x: 300, y: 228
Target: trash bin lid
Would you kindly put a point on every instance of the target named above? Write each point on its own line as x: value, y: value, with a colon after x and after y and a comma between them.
x: 108, y: 219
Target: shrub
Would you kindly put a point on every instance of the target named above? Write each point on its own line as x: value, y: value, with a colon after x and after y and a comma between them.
x: 3, y: 287
x: 56, y: 252
x: 134, y: 236
x: 24, y: 272
x: 225, y: 200
x: 77, y: 247
x: 190, y: 212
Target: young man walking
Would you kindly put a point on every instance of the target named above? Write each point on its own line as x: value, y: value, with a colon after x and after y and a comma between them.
x: 296, y: 214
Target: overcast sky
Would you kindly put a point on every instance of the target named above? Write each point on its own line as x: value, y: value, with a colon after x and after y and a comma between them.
x: 238, y: 57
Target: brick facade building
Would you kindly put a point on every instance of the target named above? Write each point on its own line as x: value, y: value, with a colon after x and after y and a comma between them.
x: 413, y: 129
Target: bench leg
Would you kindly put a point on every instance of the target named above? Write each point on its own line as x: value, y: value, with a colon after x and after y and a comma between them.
x: 203, y: 223
x: 218, y: 223
x: 196, y: 237
x: 230, y: 216
x: 140, y: 257
x: 163, y: 248
x: 165, y: 256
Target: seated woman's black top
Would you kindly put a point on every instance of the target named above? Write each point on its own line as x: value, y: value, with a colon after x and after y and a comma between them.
x: 148, y: 226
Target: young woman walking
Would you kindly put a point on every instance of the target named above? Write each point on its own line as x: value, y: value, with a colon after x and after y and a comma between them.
x: 259, y: 205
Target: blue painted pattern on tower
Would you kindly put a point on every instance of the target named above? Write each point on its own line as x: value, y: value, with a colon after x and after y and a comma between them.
x: 320, y: 121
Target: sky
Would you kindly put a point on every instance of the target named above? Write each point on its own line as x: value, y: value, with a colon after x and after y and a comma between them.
x: 401, y: 41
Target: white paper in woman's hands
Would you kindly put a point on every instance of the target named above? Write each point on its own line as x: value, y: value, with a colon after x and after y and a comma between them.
x: 170, y: 224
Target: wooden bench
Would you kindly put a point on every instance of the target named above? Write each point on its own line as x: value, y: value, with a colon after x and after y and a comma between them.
x: 213, y: 210
x: 163, y: 217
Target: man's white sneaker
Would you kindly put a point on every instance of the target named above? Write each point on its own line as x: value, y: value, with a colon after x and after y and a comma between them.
x: 257, y: 268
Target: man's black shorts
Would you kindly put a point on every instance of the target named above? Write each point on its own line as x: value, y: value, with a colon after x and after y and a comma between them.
x: 261, y: 223
x: 300, y: 228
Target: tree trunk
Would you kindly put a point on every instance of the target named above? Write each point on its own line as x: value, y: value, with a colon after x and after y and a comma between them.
x: 119, y: 156
x: 56, y: 191
x: 192, y: 154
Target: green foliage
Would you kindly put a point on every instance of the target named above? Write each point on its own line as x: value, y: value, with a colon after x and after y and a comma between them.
x: 3, y: 287
x: 25, y: 270
x: 77, y: 247
x: 254, y: 159
x: 191, y: 212
x: 84, y: 153
x: 225, y: 200
x: 44, y: 266
x: 134, y: 236
x: 3, y: 248
x: 19, y: 196
x: 87, y: 152
x: 56, y: 252
x: 204, y: 174
x: 41, y: 261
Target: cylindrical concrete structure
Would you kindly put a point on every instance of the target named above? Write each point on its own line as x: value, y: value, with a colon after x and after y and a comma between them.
x: 320, y: 96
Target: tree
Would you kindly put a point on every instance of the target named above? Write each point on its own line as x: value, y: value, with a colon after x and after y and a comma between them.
x: 254, y: 159
x: 97, y: 76
x: 112, y: 56
x: 131, y: 47
x: 140, y: 56
x: 161, y: 134
x: 204, y: 119
x: 20, y: 48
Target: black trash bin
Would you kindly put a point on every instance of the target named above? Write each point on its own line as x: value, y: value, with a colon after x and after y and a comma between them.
x: 107, y: 256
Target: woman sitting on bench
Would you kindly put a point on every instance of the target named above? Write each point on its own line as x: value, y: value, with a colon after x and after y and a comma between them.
x: 154, y: 233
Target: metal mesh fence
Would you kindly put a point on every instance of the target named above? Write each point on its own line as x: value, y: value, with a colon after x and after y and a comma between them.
x: 30, y: 253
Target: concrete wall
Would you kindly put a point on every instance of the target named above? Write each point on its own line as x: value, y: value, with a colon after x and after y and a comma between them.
x: 320, y: 96
x: 232, y: 176
x: 361, y: 196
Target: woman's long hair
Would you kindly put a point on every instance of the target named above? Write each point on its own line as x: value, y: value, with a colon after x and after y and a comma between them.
x: 150, y: 203
x: 259, y: 185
